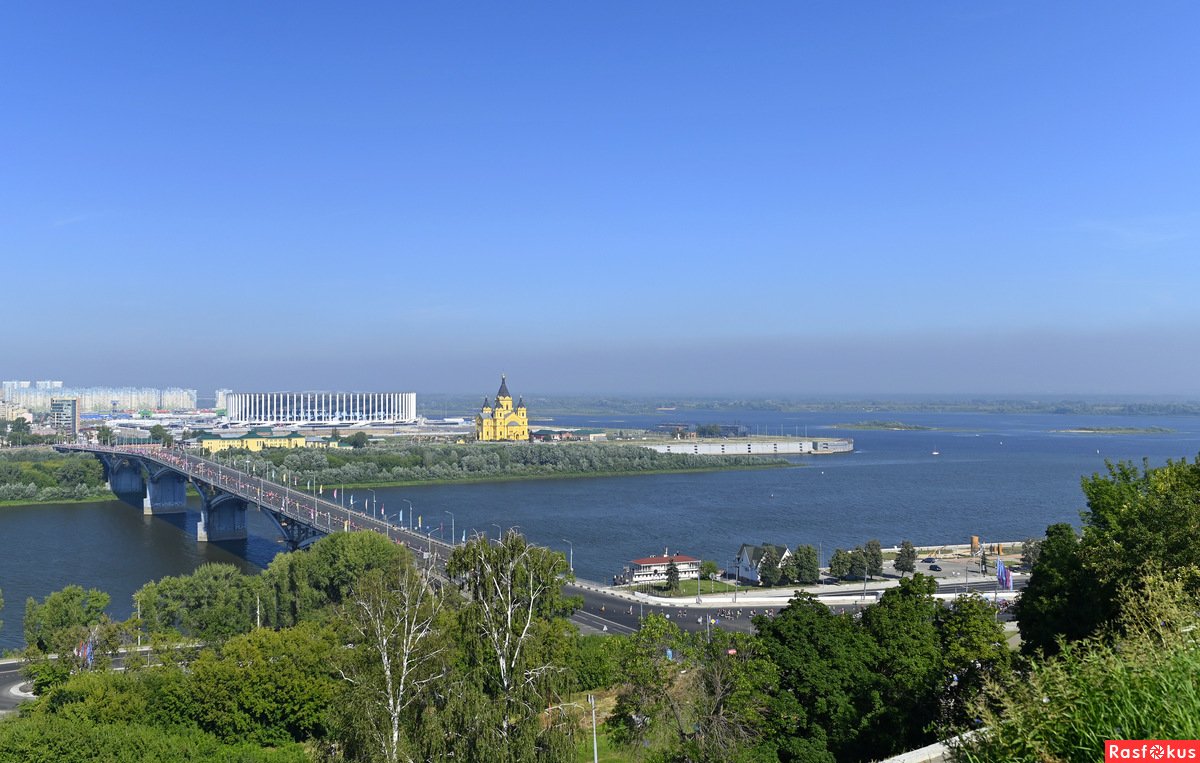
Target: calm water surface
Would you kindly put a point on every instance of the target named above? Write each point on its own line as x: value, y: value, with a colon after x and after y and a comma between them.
x: 1003, y: 477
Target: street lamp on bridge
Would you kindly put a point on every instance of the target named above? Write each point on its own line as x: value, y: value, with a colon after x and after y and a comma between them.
x: 373, y: 502
x: 410, y: 514
x: 451, y: 513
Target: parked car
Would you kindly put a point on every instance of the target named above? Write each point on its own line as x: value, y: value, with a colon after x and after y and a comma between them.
x: 928, y: 560
x: 934, y: 568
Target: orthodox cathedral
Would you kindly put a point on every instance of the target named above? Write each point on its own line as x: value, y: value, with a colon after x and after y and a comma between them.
x: 502, y: 423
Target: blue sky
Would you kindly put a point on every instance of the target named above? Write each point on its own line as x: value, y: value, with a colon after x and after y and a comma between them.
x: 767, y: 198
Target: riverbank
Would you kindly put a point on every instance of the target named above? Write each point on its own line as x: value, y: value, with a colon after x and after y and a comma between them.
x: 105, y: 496
x: 750, y: 466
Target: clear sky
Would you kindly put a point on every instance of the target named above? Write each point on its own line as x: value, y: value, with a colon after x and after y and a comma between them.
x: 794, y: 198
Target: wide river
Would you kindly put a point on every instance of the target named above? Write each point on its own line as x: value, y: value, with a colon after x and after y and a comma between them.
x: 1002, y: 477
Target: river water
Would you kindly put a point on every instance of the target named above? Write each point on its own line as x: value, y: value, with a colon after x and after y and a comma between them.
x: 1003, y: 477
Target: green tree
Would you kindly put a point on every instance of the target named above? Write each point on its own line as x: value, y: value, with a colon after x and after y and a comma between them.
x: 805, y: 565
x: 874, y: 559
x: 839, y: 563
x: 672, y: 576
x: 515, y: 637
x: 104, y: 435
x: 723, y: 701
x: 159, y: 433
x: 398, y: 658
x: 768, y: 568
x: 1061, y: 599
x: 907, y: 666
x: 709, y: 569
x: 650, y: 662
x: 825, y: 682
x: 1064, y: 708
x: 19, y: 430
x: 70, y: 623
x: 268, y: 687
x: 858, y: 563
x: 906, y: 560
x: 213, y: 604
x: 974, y: 654
x: 357, y: 440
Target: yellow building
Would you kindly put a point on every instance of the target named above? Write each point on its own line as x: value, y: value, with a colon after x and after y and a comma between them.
x: 257, y: 439
x: 502, y: 423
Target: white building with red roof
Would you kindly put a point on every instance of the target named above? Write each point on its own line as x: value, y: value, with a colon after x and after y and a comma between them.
x: 653, y: 569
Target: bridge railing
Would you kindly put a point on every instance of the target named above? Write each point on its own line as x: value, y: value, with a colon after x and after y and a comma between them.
x: 295, y: 504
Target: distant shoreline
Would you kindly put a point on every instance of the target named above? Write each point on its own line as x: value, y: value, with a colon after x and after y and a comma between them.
x: 1114, y: 430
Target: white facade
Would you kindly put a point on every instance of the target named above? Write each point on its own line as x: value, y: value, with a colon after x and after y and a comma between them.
x: 653, y: 569
x: 321, y: 407
x: 756, y: 447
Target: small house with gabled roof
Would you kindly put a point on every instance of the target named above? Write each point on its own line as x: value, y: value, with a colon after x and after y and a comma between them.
x: 749, y: 560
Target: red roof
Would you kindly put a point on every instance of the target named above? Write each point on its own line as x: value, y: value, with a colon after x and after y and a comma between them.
x: 665, y: 559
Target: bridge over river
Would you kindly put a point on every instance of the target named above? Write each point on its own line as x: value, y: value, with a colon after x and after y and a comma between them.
x: 161, y: 475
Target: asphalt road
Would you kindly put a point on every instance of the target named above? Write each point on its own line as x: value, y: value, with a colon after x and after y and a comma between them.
x: 11, y: 683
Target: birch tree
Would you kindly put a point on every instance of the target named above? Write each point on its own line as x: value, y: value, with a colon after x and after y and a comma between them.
x: 516, y: 639
x: 396, y: 655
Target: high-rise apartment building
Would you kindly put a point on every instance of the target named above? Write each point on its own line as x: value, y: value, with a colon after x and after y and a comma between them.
x: 64, y: 415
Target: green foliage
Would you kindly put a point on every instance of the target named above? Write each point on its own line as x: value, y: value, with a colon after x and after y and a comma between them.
x: 596, y: 661
x: 64, y: 739
x: 859, y: 563
x: 709, y: 569
x: 1141, y: 687
x: 45, y: 475
x: 906, y: 560
x: 159, y: 433
x: 768, y: 569
x: 801, y: 567
x: 514, y: 643
x: 1138, y: 522
x: 672, y: 576
x: 63, y: 618
x: 267, y: 687
x: 907, y: 666
x: 648, y: 667
x: 422, y: 462
x: 1061, y: 599
x: 300, y: 586
x: 825, y: 689
x: 874, y: 559
x: 213, y: 604
x: 839, y: 563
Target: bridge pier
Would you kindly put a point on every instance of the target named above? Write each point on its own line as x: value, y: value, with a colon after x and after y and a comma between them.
x: 222, y: 517
x: 125, y: 476
x: 166, y: 493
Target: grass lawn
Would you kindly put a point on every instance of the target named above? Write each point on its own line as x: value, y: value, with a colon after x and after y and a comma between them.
x: 607, y: 751
x: 688, y: 588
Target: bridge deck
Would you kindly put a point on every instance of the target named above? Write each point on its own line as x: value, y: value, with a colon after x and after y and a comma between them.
x: 297, y: 505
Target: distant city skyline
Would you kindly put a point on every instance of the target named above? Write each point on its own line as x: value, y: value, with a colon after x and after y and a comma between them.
x: 619, y: 199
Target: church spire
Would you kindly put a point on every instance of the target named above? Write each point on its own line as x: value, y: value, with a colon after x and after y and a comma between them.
x: 503, y: 388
